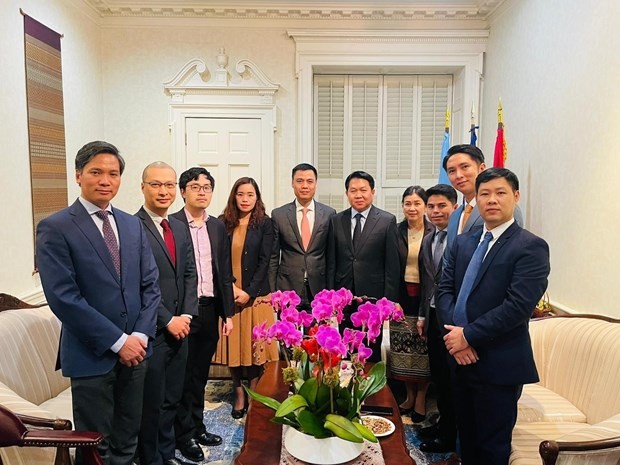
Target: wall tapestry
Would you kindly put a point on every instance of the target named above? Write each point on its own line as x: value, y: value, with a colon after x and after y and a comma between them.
x: 46, y: 126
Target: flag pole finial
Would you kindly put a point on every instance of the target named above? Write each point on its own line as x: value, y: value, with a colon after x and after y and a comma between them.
x: 447, y: 125
x: 500, y: 112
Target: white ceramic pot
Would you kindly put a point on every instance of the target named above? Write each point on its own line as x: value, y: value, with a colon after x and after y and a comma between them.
x: 326, y: 451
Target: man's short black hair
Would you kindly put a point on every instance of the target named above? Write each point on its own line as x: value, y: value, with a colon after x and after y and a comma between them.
x: 474, y: 152
x: 495, y: 173
x: 304, y: 167
x: 192, y: 174
x: 92, y: 149
x: 359, y: 175
x: 443, y: 189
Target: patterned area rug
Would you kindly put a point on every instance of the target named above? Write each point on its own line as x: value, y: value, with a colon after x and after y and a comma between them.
x: 218, y: 406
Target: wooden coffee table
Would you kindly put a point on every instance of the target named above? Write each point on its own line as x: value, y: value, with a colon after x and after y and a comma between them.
x: 263, y: 438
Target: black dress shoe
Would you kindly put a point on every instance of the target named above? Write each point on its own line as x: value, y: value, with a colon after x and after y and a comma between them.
x: 405, y: 410
x: 175, y: 461
x: 191, y: 450
x: 237, y: 414
x: 208, y: 439
x: 429, y: 432
x: 436, y: 445
x: 417, y: 417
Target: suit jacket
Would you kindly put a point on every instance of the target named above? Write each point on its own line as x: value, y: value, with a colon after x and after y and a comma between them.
x: 255, y: 258
x: 474, y: 221
x: 220, y: 259
x: 176, y: 283
x: 289, y: 261
x: 403, y: 251
x: 374, y: 269
x: 511, y: 280
x: 84, y: 291
x: 429, y: 277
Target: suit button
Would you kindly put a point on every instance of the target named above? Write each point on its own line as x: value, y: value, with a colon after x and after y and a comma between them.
x: 123, y: 314
x: 176, y: 302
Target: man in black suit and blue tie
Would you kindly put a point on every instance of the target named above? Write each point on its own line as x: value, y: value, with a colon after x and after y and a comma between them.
x: 174, y: 255
x: 101, y: 281
x: 492, y: 281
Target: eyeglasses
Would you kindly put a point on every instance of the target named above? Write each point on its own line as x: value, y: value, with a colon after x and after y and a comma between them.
x: 157, y: 185
x: 197, y: 188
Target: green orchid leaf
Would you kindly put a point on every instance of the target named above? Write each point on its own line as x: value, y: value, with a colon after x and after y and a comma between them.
x: 309, y: 391
x: 343, y: 428
x: 311, y: 424
x: 322, y: 396
x: 286, y: 421
x: 268, y: 401
x: 374, y: 382
x: 290, y: 405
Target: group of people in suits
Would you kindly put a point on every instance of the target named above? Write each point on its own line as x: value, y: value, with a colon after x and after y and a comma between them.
x: 148, y: 301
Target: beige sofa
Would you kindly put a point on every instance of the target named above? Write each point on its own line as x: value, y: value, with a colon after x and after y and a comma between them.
x: 576, y: 405
x: 29, y: 382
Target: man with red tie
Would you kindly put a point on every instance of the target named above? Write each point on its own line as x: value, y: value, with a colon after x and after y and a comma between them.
x: 174, y: 256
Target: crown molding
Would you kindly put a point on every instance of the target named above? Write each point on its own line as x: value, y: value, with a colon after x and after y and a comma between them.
x: 317, y: 10
x: 393, y: 36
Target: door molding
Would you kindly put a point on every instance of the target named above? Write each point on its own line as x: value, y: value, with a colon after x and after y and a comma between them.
x: 245, y: 92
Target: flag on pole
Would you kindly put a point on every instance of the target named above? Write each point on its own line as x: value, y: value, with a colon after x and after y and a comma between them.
x: 499, y: 156
x: 473, y: 127
x: 443, y: 176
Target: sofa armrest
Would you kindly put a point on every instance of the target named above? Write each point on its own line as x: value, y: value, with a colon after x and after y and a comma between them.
x: 591, y: 452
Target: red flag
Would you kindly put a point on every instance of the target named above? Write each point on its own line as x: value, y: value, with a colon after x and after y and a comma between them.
x: 499, y: 156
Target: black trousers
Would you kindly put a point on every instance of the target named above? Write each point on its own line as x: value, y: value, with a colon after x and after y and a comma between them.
x: 201, y: 345
x: 440, y: 374
x: 112, y: 405
x: 163, y: 389
x: 485, y: 415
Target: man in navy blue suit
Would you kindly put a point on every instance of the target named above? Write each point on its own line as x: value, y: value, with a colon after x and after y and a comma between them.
x: 492, y: 281
x: 100, y: 280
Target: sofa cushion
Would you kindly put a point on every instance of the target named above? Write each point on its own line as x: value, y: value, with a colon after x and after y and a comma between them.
x: 60, y: 406
x: 28, y: 347
x: 526, y: 438
x: 603, y: 430
x: 538, y: 403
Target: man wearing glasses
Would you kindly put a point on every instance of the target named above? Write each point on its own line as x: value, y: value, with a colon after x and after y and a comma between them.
x: 174, y: 256
x: 215, y: 301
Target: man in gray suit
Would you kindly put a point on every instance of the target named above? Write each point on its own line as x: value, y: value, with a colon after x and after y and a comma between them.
x: 463, y: 163
x: 300, y: 239
x: 362, y: 253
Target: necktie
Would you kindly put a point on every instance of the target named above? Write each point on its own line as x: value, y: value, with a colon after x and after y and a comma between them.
x: 110, y: 240
x: 305, y: 228
x: 357, y: 232
x: 440, y: 241
x: 468, y: 209
x: 460, y: 310
x: 169, y: 240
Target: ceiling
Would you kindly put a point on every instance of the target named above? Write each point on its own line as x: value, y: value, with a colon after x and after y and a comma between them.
x: 296, y: 9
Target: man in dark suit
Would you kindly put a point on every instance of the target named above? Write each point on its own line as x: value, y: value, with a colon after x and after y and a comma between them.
x: 215, y: 302
x: 100, y: 280
x: 463, y: 163
x: 493, y: 280
x: 174, y: 255
x: 440, y: 205
x: 300, y: 239
x: 363, y: 247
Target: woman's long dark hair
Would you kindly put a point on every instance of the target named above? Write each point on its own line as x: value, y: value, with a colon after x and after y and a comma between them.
x: 231, y: 214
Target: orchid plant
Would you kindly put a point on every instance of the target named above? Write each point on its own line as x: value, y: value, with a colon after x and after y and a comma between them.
x: 324, y: 367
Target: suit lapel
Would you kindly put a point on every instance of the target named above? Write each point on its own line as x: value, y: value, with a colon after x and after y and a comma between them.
x: 291, y: 214
x: 319, y: 214
x: 473, y: 218
x: 371, y: 222
x: 496, y: 249
x: 148, y: 223
x: 214, y: 242
x: 346, y: 227
x: 85, y: 223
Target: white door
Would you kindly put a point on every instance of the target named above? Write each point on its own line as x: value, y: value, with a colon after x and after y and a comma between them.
x: 229, y: 148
